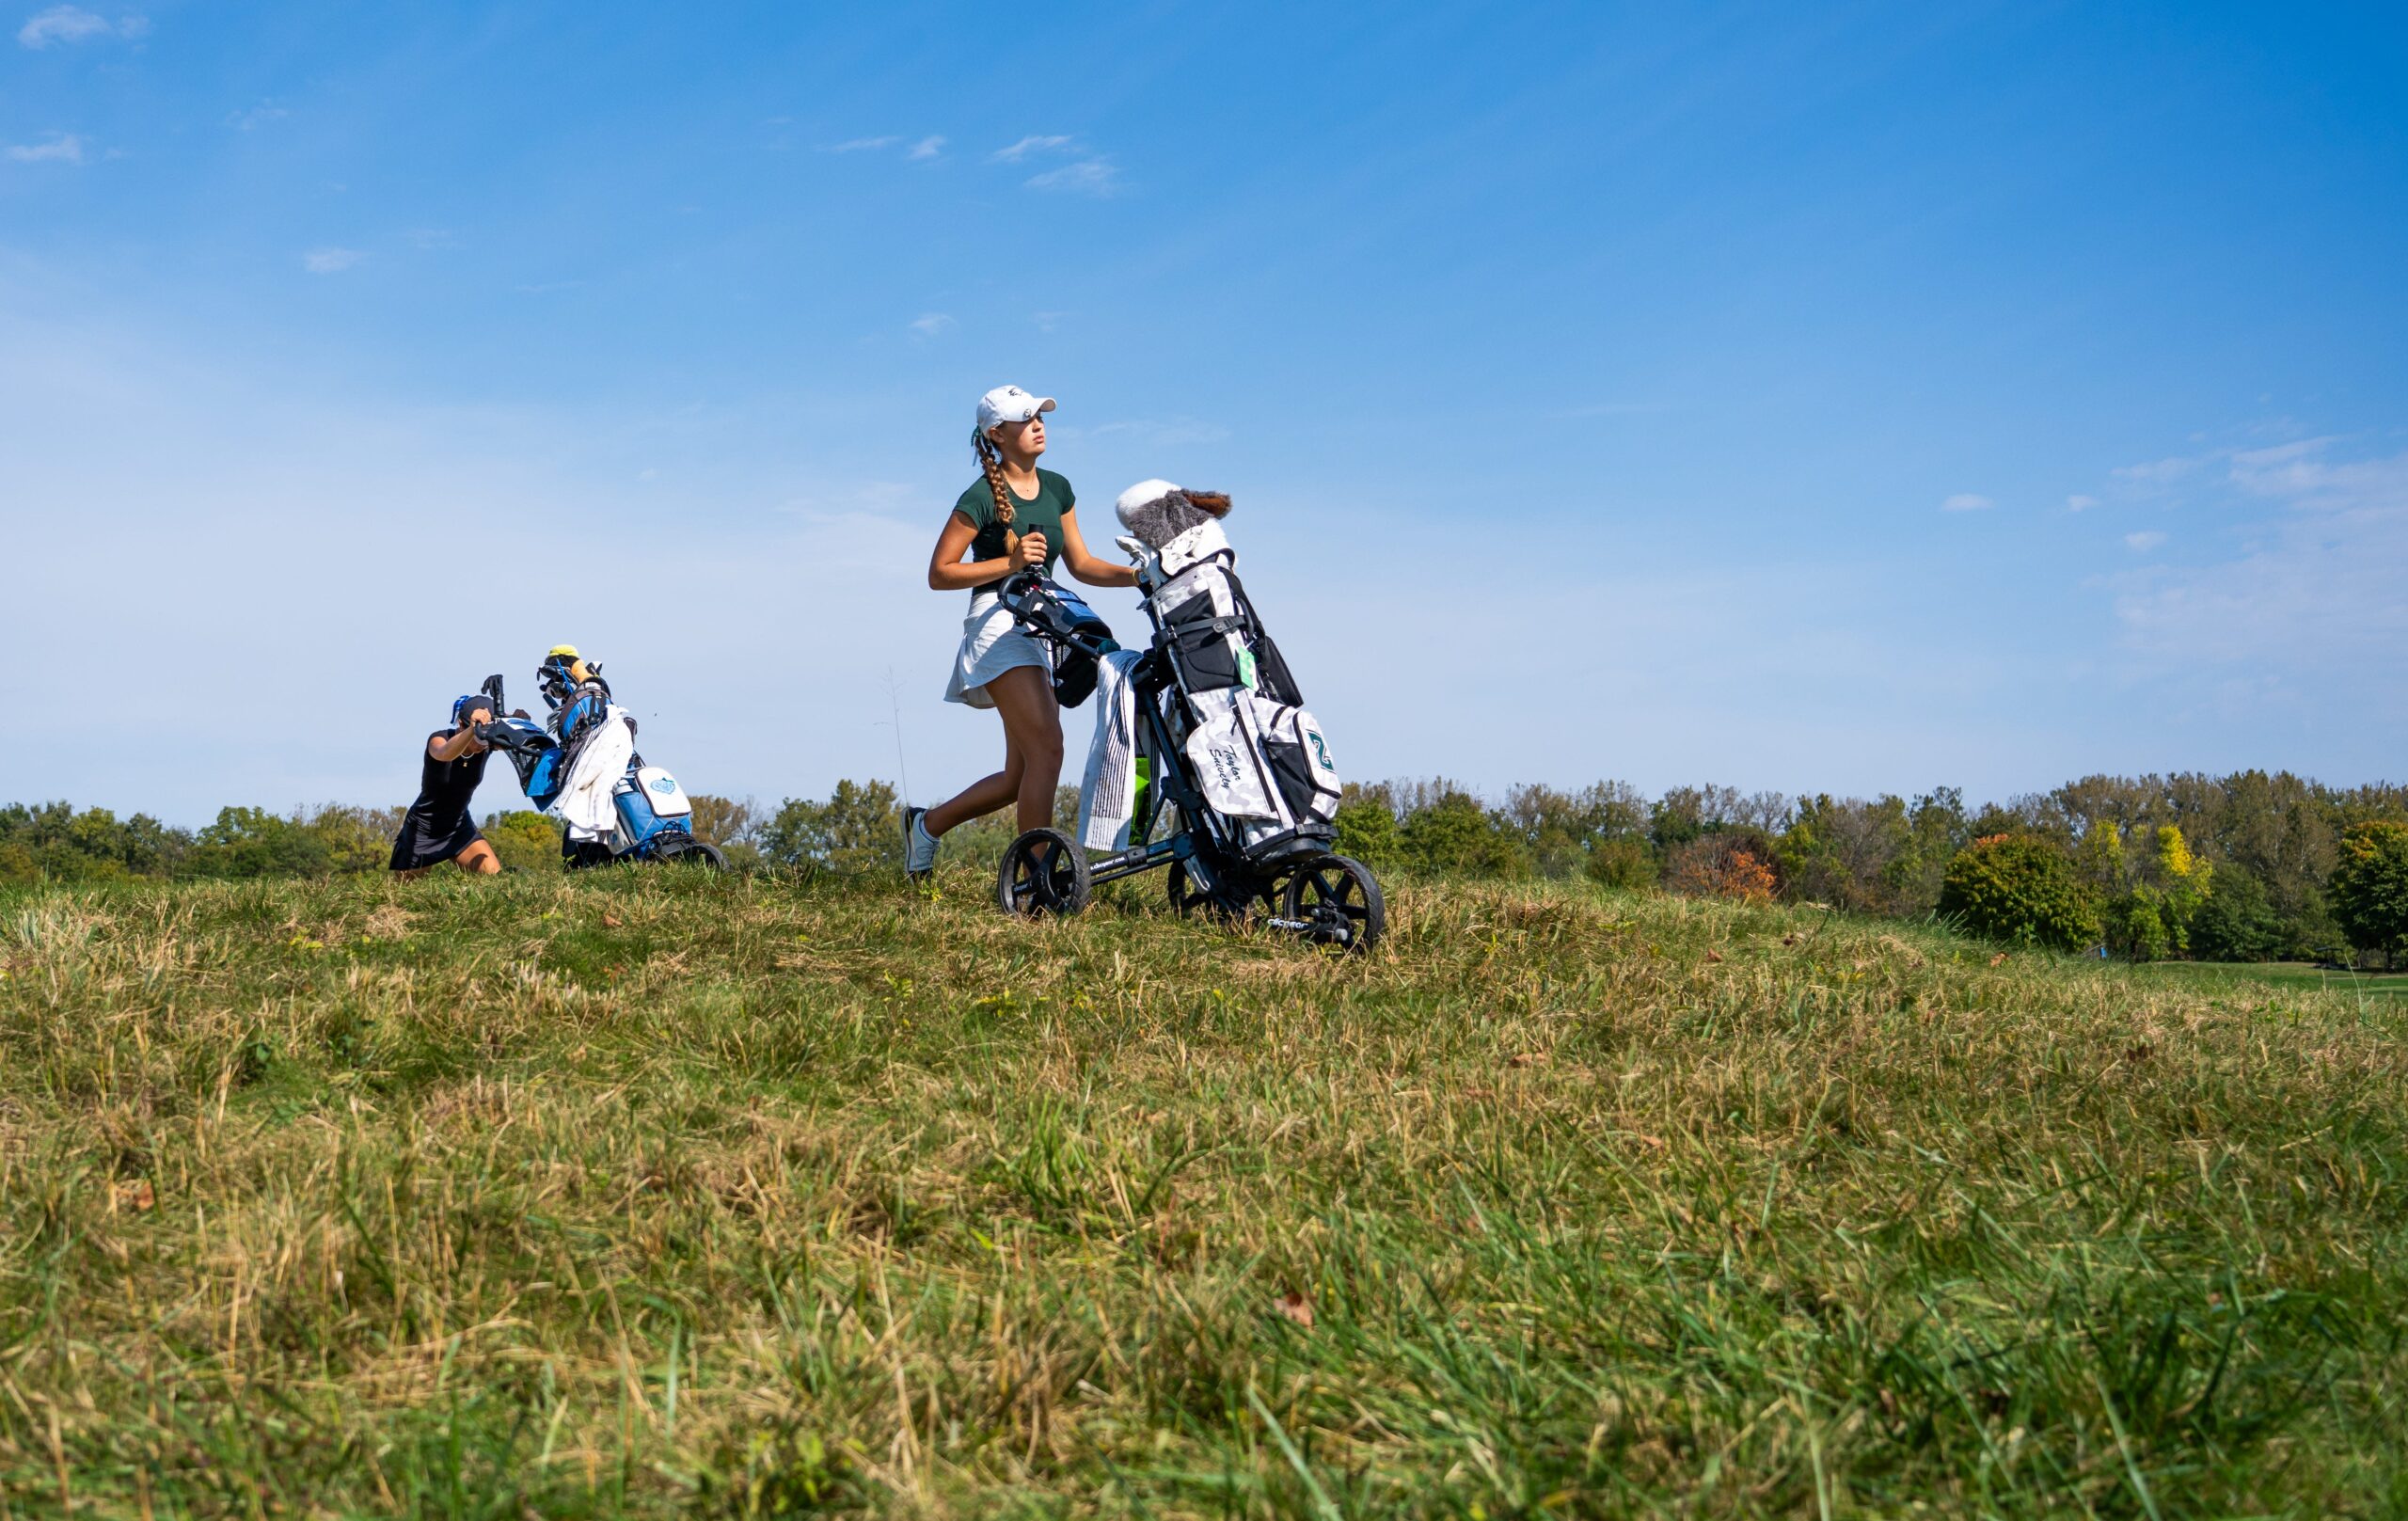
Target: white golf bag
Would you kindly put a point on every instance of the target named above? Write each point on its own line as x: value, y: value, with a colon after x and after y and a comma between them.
x: 1253, y: 750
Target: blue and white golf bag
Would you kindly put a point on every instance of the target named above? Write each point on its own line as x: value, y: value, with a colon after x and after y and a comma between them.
x: 582, y: 768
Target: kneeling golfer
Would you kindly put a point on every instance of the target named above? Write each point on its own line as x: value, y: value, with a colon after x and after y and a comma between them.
x: 439, y: 827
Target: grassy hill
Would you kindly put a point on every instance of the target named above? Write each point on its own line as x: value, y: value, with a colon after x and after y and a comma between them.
x: 2295, y: 977
x: 659, y: 1195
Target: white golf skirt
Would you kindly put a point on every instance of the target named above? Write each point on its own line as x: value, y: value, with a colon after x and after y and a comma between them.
x: 991, y: 643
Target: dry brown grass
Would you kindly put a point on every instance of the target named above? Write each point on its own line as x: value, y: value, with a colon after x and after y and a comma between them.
x: 646, y: 1195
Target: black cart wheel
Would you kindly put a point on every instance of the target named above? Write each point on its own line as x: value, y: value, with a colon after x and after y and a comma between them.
x: 696, y: 853
x: 1043, y: 872
x: 1238, y: 899
x: 1335, y: 900
x: 1186, y: 898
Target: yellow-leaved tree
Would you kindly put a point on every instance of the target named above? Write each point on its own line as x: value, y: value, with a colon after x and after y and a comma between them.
x: 2182, y: 882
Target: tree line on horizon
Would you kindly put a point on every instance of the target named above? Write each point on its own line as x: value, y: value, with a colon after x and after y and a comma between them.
x: 2249, y: 866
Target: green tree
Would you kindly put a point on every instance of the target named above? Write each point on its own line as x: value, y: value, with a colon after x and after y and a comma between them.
x: 2281, y: 831
x: 2100, y: 857
x: 1455, y: 836
x: 54, y: 841
x: 2183, y: 884
x: 858, y: 829
x: 2236, y: 923
x: 525, y: 840
x: 1560, y: 829
x: 730, y: 824
x: 723, y: 821
x: 355, y: 839
x: 2020, y: 890
x: 2135, y: 926
x: 1936, y: 831
x: 1680, y: 815
x: 1367, y: 831
x: 2369, y: 888
x: 1620, y: 863
x: 253, y: 842
x: 1842, y: 852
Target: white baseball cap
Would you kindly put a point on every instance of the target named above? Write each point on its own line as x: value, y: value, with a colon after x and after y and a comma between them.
x: 1009, y: 403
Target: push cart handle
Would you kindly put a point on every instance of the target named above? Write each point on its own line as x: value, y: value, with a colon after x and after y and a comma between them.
x: 502, y: 737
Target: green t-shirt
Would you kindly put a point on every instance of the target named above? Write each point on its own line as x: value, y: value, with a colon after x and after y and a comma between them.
x: 1053, y: 498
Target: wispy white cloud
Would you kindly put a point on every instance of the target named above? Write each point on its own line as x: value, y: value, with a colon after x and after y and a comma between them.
x: 330, y: 261
x: 2143, y: 542
x: 1091, y: 175
x: 257, y: 116
x: 2254, y: 459
x: 2158, y: 481
x: 1047, y: 321
x: 2294, y: 471
x: 932, y: 323
x: 1966, y: 502
x: 432, y: 237
x: 246, y: 475
x: 1159, y: 431
x: 2311, y: 597
x: 2154, y: 472
x: 73, y: 23
x: 60, y: 148
x: 1088, y: 177
x: 60, y: 23
x: 1026, y: 146
x: 915, y: 149
x: 1603, y: 409
x: 826, y: 501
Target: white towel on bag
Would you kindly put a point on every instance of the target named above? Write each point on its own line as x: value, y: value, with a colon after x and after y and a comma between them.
x: 585, y: 804
x: 1108, y: 792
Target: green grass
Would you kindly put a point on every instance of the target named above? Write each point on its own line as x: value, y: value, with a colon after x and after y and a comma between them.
x: 2291, y: 976
x: 657, y: 1195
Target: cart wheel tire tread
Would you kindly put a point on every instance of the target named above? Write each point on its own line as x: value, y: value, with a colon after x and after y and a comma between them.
x: 1337, y: 901
x: 1043, y: 872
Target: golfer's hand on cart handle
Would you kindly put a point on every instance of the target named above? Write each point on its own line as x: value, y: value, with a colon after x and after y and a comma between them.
x: 1031, y: 548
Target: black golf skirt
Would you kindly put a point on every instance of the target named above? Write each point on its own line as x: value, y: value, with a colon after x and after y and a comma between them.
x: 426, y: 840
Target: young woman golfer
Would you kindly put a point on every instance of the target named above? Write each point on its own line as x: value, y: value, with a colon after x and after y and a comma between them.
x: 440, y: 827
x: 1014, y: 515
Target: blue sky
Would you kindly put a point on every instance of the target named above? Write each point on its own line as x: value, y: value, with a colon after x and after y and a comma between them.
x: 1851, y: 398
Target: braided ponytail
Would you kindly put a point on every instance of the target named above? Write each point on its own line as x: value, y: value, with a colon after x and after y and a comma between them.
x: 990, y: 463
